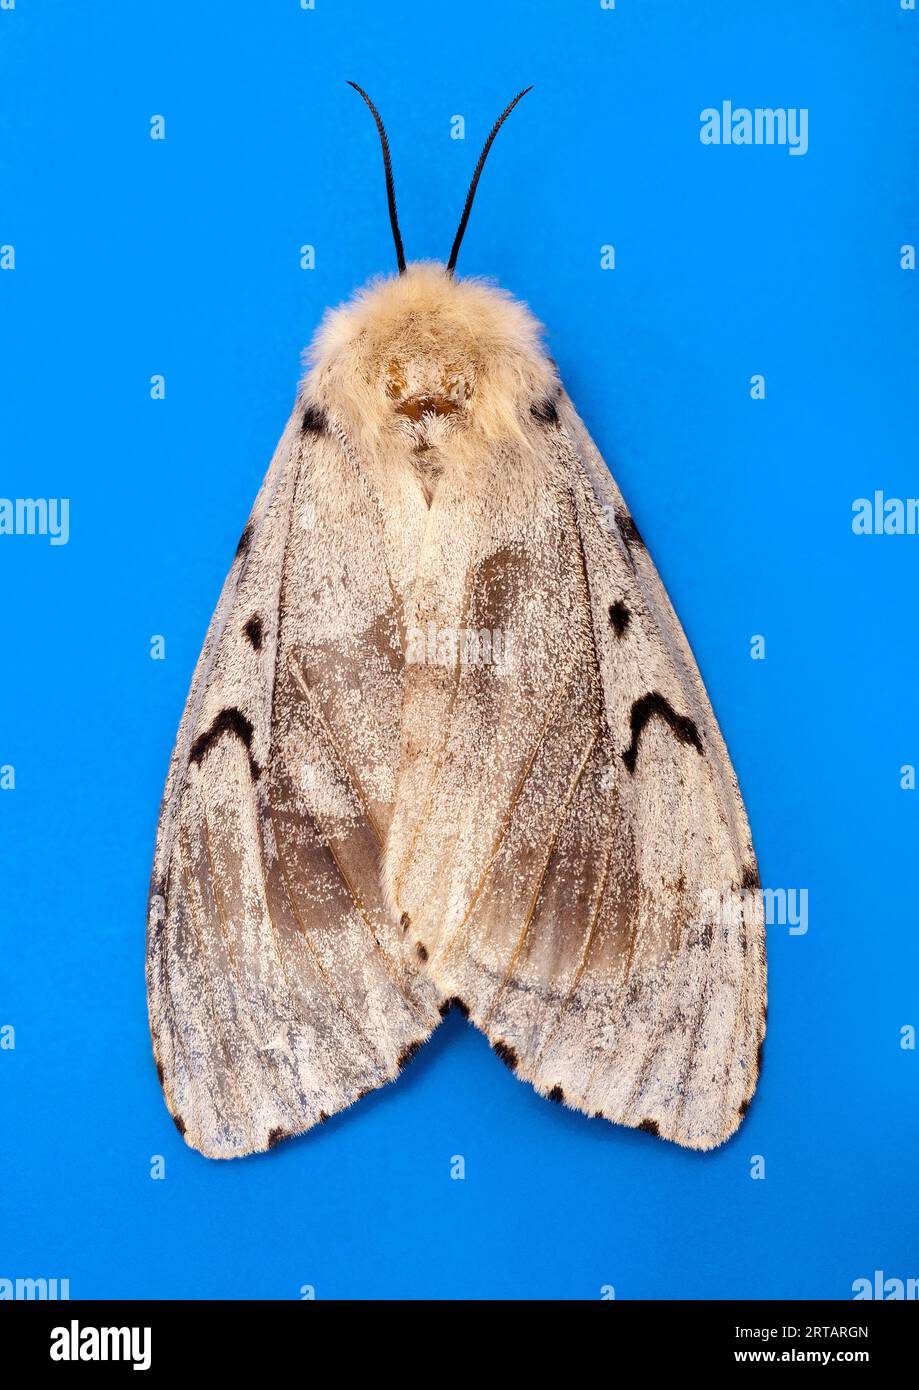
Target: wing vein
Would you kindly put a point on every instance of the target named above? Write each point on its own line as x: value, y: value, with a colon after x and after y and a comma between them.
x: 585, y: 953
x: 307, y: 934
x: 540, y: 884
x: 345, y: 766
x: 560, y: 690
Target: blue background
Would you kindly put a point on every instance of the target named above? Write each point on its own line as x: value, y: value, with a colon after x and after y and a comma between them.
x: 181, y: 257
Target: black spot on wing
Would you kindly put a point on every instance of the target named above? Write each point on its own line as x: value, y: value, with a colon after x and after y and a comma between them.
x: 750, y: 877
x: 649, y: 1127
x: 507, y: 1054
x: 228, y: 721
x: 253, y: 631
x: 651, y: 706
x: 628, y: 530
x: 407, y: 1053
x: 619, y: 617
x: 545, y: 411
x: 421, y: 951
x: 179, y: 1123
x: 743, y: 1107
x: 275, y: 1136
x: 405, y: 921
x: 314, y: 421
x: 449, y: 1005
x: 557, y: 1095
x: 245, y: 540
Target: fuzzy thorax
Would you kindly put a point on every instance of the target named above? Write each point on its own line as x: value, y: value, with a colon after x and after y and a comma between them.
x: 431, y: 370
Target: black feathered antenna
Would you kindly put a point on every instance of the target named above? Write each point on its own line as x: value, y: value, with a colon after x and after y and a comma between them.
x: 451, y: 264
x: 390, y: 187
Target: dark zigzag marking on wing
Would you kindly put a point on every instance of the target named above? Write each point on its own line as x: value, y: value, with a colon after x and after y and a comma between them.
x: 656, y: 705
x: 228, y: 721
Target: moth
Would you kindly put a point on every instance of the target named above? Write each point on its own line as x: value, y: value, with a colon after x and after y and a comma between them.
x: 446, y: 746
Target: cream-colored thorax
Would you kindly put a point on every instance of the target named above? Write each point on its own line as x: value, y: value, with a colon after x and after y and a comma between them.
x: 423, y: 372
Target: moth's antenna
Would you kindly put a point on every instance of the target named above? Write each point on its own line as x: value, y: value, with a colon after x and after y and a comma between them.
x: 390, y: 187
x: 451, y: 264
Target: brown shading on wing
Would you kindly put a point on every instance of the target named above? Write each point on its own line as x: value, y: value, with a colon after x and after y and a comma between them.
x: 280, y: 987
x: 579, y: 864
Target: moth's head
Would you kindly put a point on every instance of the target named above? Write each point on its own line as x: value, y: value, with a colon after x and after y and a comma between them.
x: 427, y: 366
x: 429, y: 399
x: 423, y: 361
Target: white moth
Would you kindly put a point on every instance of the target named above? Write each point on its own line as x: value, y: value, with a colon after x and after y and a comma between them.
x: 446, y: 745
